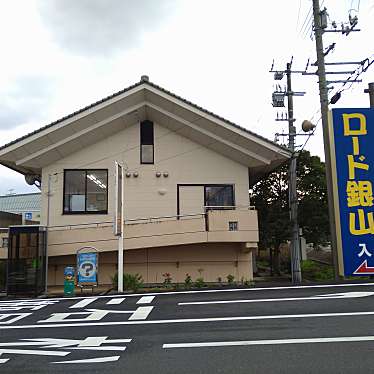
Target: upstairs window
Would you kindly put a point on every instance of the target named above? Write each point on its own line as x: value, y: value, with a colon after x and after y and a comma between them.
x: 146, y: 142
x: 219, y: 196
x: 85, y: 191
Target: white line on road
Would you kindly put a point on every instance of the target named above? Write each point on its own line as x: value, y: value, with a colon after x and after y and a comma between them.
x: 191, y: 320
x: 83, y: 303
x: 89, y: 360
x: 116, y: 301
x: 33, y: 352
x: 214, y: 291
x: 271, y: 342
x: 145, y: 300
x: 346, y: 295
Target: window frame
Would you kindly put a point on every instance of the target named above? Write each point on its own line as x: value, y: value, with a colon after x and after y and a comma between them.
x: 85, y: 212
x: 141, y: 143
x: 232, y: 185
x: 225, y: 207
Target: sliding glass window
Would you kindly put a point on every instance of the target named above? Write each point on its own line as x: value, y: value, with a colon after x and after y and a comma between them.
x: 219, y: 196
x: 85, y: 191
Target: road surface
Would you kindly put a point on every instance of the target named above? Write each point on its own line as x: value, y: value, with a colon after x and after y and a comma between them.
x: 309, y: 329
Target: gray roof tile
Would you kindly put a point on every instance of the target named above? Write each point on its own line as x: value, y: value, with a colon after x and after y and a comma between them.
x: 20, y: 203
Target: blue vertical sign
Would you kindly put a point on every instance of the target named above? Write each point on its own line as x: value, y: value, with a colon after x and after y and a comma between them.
x: 87, y: 267
x: 353, y: 152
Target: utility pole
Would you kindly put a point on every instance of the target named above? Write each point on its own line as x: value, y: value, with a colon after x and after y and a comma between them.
x: 292, y: 192
x: 278, y: 101
x: 324, y: 102
x: 370, y: 91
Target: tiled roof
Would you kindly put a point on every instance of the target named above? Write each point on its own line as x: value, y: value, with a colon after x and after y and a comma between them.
x: 147, y: 82
x: 20, y: 203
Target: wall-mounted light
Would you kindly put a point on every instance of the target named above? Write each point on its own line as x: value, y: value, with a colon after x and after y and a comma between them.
x: 166, y: 174
x: 135, y: 174
x: 128, y: 174
x: 158, y: 174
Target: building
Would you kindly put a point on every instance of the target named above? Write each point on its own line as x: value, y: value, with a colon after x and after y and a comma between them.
x: 187, y: 176
x: 27, y: 206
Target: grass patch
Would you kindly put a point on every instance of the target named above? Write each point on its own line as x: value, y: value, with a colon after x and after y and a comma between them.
x: 316, y: 271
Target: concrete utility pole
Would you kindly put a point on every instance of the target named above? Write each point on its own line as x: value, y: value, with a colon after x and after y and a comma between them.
x: 292, y: 192
x: 370, y: 91
x: 324, y: 101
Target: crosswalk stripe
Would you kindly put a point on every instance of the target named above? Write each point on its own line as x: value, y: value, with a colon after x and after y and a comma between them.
x: 83, y: 303
x: 116, y: 301
x: 145, y: 300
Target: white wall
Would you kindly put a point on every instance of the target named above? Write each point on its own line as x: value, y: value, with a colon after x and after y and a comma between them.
x: 184, y: 160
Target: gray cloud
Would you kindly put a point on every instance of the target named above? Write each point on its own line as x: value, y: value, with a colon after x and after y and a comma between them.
x: 99, y: 27
x: 24, y: 100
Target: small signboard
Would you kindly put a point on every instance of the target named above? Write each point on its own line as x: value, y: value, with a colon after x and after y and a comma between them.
x: 28, y: 216
x: 87, y: 268
x: 352, y: 153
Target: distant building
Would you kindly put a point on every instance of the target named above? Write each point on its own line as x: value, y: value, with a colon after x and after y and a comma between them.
x: 25, y: 205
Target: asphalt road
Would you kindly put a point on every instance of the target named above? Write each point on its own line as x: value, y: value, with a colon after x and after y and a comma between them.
x: 324, y: 329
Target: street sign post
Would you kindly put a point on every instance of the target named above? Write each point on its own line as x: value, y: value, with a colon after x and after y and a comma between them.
x: 352, y: 153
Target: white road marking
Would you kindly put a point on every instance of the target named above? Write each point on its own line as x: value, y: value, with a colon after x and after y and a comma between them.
x: 271, y: 342
x: 145, y: 300
x: 89, y: 360
x: 214, y: 291
x: 33, y: 352
x: 141, y: 313
x: 116, y: 301
x: 4, y: 360
x: 345, y: 295
x: 191, y: 320
x: 17, y: 317
x: 83, y: 303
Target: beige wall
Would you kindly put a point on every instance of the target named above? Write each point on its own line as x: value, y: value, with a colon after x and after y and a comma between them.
x: 184, y: 160
x: 215, y: 260
x: 153, y: 248
x: 145, y: 234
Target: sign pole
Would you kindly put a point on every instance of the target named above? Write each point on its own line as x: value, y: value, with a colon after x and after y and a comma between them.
x: 119, y: 222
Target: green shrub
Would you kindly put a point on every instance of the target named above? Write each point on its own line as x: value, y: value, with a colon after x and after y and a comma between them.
x: 188, y: 281
x: 167, y: 280
x: 230, y: 279
x: 131, y: 282
x: 199, y: 283
x: 313, y: 270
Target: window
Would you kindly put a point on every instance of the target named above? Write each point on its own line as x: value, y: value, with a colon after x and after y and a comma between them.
x: 4, y: 243
x: 85, y: 191
x: 220, y: 196
x: 146, y: 142
x: 233, y: 225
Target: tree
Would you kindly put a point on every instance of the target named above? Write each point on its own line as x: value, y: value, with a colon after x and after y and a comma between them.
x: 270, y: 196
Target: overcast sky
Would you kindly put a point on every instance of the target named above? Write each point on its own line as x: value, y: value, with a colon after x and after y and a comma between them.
x: 61, y: 55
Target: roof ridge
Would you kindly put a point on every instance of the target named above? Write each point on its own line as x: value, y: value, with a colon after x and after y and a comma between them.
x: 145, y: 82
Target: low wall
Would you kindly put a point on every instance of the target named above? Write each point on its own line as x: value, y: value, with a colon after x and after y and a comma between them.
x: 213, y: 261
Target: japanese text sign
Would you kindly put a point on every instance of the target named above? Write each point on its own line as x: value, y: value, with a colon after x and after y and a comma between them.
x: 353, y: 155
